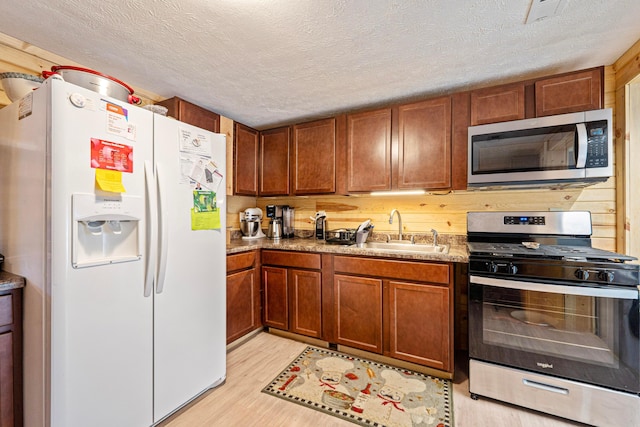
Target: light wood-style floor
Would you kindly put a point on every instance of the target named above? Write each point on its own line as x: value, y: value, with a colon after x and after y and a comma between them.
x: 250, y: 367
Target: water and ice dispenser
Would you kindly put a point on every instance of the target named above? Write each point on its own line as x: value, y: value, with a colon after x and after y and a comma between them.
x: 106, y: 230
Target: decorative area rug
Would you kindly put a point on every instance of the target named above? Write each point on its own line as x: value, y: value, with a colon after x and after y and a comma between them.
x: 364, y: 392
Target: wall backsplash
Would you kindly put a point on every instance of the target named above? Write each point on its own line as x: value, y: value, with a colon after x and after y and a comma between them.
x: 445, y: 213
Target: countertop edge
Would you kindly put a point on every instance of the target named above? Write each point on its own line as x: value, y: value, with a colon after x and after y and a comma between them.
x: 10, y: 281
x: 457, y: 253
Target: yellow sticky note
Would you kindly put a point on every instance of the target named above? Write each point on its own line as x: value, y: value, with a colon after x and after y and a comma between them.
x: 109, y: 180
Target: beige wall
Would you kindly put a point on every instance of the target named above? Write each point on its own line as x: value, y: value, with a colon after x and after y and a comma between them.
x: 446, y: 212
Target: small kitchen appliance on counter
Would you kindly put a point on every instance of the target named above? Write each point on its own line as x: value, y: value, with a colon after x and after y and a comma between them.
x: 281, y: 219
x: 321, y: 225
x: 350, y: 236
x: 251, y: 223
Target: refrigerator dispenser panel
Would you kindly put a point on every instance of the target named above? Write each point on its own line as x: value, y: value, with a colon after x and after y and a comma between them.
x: 105, y: 229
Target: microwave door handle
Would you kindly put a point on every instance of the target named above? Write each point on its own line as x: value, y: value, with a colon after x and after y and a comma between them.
x: 581, y: 161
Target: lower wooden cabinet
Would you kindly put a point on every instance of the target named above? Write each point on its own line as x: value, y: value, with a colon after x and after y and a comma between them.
x: 305, y: 296
x: 276, y: 297
x: 358, y: 302
x: 420, y: 327
x: 243, y: 295
x: 401, y: 309
x: 292, y: 284
x: 11, y: 358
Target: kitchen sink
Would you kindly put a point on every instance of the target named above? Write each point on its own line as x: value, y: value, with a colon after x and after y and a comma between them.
x: 403, y: 247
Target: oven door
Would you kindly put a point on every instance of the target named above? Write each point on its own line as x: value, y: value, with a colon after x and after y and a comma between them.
x: 588, y: 334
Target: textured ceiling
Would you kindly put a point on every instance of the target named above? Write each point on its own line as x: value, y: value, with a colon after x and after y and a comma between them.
x: 264, y: 63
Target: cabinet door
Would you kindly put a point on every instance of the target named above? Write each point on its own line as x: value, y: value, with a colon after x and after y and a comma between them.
x: 313, y: 165
x: 276, y: 306
x: 192, y: 114
x: 274, y: 162
x: 569, y: 93
x: 498, y: 104
x: 420, y: 325
x: 243, y: 304
x: 6, y: 380
x: 306, y: 302
x: 358, y: 310
x: 424, y: 144
x: 246, y: 149
x: 369, y: 151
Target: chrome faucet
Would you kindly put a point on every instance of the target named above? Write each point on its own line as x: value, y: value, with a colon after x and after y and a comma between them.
x: 396, y: 211
x: 435, y: 237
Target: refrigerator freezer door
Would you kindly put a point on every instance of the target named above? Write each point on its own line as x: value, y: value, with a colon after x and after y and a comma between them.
x: 189, y: 303
x: 101, y: 322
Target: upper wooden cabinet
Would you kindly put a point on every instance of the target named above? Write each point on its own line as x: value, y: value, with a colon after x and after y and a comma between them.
x: 246, y: 150
x: 192, y: 114
x: 313, y: 158
x: 569, y: 93
x: 274, y: 162
x: 497, y: 104
x: 369, y: 151
x: 424, y: 144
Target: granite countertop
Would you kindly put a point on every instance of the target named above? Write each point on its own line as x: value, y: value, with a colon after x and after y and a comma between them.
x: 457, y: 251
x: 9, y: 281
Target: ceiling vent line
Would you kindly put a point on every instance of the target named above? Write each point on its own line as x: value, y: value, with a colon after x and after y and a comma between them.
x: 542, y: 9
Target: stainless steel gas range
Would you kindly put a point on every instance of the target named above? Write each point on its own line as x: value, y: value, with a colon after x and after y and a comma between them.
x: 553, y: 322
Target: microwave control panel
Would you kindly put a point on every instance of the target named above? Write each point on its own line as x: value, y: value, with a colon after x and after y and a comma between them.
x: 597, y: 153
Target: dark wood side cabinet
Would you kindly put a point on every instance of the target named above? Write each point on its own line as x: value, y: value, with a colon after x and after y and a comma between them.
x: 293, y: 291
x: 244, y: 302
x: 274, y: 162
x: 570, y: 92
x: 11, y: 358
x: 369, y: 151
x: 424, y: 144
x: 193, y: 114
x: 313, y: 158
x: 246, y: 152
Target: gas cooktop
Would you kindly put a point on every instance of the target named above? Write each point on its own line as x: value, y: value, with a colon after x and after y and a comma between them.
x: 536, y: 250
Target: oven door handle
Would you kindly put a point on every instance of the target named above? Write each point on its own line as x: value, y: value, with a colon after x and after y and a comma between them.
x: 604, y: 292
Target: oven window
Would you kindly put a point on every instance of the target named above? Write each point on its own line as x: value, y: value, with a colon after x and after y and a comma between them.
x: 552, y: 148
x: 574, y: 327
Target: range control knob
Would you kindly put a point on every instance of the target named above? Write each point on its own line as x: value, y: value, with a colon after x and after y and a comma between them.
x: 582, y: 274
x: 492, y: 267
x: 606, y: 276
x: 512, y: 269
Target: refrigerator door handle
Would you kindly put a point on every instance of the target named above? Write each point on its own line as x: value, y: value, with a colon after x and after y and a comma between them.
x: 164, y: 234
x: 150, y: 231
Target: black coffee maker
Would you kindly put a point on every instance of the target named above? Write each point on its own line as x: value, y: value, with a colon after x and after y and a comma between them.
x: 281, y: 219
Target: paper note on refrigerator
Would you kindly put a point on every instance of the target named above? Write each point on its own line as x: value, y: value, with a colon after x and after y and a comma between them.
x: 109, y: 180
x: 205, y: 214
x: 193, y: 142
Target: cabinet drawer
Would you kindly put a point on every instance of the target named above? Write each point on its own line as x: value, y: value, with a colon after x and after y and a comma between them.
x: 404, y: 270
x: 292, y: 259
x: 6, y: 310
x: 241, y: 261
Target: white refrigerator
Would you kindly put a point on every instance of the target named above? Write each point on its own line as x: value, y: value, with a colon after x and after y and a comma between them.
x: 116, y: 218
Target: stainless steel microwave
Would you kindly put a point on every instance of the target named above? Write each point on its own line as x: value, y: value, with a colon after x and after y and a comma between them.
x: 563, y: 149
